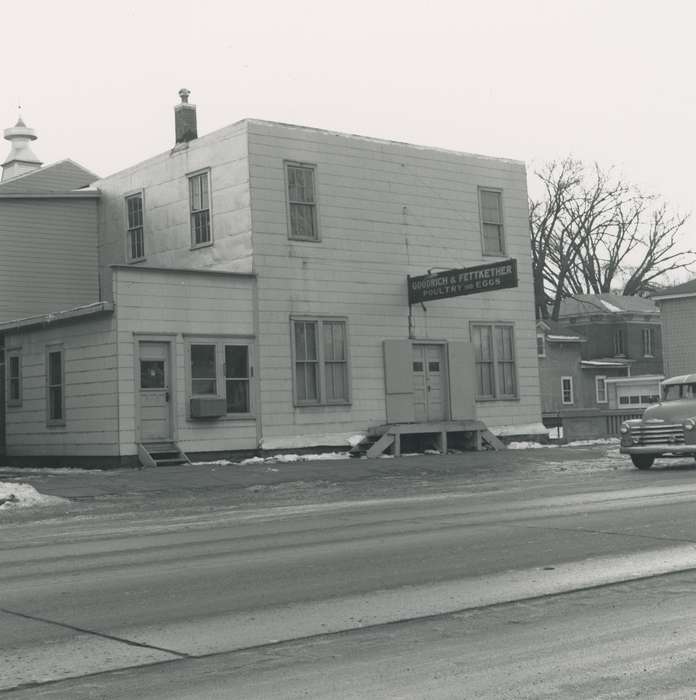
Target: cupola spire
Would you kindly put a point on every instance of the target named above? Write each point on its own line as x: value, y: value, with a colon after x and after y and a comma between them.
x: 21, y: 158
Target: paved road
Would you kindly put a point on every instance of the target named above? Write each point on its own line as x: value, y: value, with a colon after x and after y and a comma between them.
x: 413, y: 595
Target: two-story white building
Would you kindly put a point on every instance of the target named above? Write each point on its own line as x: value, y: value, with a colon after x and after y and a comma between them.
x: 254, y: 295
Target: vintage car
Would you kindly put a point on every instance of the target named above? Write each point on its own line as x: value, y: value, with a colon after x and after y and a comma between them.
x: 666, y: 429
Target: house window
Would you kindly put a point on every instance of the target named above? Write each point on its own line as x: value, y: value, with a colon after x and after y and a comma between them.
x: 199, y: 199
x: 223, y: 369
x: 648, y: 342
x: 320, y: 361
x: 541, y: 346
x: 14, y: 378
x: 55, y: 388
x: 496, y: 372
x: 619, y: 343
x: 302, y: 203
x: 567, y: 390
x: 601, y: 389
x: 135, y: 239
x: 491, y: 222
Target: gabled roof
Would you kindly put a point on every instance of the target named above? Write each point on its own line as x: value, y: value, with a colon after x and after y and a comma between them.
x: 606, y: 304
x: 58, y: 178
x: 687, y: 289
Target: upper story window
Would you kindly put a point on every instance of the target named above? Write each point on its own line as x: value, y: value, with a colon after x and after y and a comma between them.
x: 14, y: 378
x: 567, y: 391
x: 601, y: 389
x: 302, y: 201
x: 619, y: 343
x: 648, y: 342
x: 199, y: 203
x: 496, y: 370
x: 135, y: 237
x: 491, y: 207
x: 541, y: 346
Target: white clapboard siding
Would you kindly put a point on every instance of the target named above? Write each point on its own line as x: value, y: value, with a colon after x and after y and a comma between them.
x: 164, y: 184
x: 175, y: 305
x: 90, y: 387
x: 49, y: 255
x: 384, y: 210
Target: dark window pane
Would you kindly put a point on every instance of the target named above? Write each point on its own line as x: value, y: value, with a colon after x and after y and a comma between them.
x: 55, y: 403
x: 203, y: 370
x: 433, y: 366
x: 237, y: 395
x: 236, y: 361
x: 55, y: 374
x: 417, y: 366
x: 152, y: 374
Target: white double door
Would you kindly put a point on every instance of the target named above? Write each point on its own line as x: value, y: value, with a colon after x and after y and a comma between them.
x: 429, y: 383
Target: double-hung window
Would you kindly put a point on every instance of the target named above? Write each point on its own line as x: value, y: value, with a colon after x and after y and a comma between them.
x: 494, y: 351
x: 567, y: 397
x: 302, y: 201
x: 14, y: 378
x: 199, y: 205
x: 619, y: 343
x: 320, y: 361
x: 601, y: 389
x: 223, y: 369
x: 541, y: 346
x: 648, y: 342
x: 55, y: 386
x: 135, y: 237
x: 491, y: 208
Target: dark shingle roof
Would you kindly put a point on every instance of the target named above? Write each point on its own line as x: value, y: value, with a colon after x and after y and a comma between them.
x: 593, y: 304
x: 685, y: 288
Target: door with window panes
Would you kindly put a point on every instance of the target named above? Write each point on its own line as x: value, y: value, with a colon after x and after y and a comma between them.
x: 428, y: 383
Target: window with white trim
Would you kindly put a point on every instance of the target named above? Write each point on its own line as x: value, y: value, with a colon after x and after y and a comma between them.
x: 567, y: 391
x: 135, y: 236
x: 541, y: 346
x: 601, y: 389
x: 55, y: 386
x: 199, y: 203
x: 14, y: 377
x: 648, y: 342
x: 320, y: 361
x: 494, y: 351
x: 491, y: 208
x: 302, y: 201
x: 223, y: 368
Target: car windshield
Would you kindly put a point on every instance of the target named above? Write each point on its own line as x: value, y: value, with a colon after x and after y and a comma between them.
x: 678, y: 391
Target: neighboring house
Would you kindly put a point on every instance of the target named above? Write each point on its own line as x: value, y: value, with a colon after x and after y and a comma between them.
x: 253, y: 294
x: 48, y: 241
x: 678, y: 313
x: 603, y: 356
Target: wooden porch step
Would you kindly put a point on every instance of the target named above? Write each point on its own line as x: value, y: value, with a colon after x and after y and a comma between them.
x: 161, y: 454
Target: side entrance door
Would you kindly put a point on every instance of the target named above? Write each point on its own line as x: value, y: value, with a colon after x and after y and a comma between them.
x: 429, y: 382
x: 154, y: 394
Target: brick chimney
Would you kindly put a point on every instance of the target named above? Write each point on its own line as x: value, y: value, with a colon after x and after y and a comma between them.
x: 185, y: 119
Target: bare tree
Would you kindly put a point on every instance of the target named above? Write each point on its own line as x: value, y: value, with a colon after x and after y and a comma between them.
x: 592, y: 232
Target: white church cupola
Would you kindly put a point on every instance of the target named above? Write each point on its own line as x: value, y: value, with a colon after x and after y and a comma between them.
x: 21, y: 158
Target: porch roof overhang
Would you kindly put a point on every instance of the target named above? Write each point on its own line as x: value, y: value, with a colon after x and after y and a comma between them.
x: 607, y: 363
x: 75, y: 313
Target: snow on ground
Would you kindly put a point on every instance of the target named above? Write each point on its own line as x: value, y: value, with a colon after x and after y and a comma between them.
x: 526, y: 445
x: 293, y: 442
x: 523, y: 445
x: 53, y: 470
x: 527, y: 429
x: 22, y: 495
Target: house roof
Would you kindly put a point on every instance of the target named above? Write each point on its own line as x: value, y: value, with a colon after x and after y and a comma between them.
x: 606, y: 304
x: 62, y: 177
x: 687, y: 289
x: 77, y: 312
x: 558, y: 333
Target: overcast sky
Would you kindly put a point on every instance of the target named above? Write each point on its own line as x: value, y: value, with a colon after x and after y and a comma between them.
x: 604, y: 80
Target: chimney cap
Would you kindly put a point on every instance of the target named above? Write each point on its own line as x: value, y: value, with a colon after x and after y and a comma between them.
x: 184, y: 95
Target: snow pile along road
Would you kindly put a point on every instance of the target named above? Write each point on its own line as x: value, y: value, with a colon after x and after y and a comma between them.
x: 22, y: 495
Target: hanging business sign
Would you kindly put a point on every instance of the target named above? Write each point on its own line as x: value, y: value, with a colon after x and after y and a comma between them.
x: 466, y: 280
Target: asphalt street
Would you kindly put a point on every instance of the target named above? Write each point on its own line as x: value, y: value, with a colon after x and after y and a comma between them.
x: 553, y: 574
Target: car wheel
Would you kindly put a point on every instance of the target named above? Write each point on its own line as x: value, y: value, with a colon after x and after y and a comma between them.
x: 642, y: 461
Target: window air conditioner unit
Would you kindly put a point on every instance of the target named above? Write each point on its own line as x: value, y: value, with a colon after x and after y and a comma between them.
x: 208, y: 408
